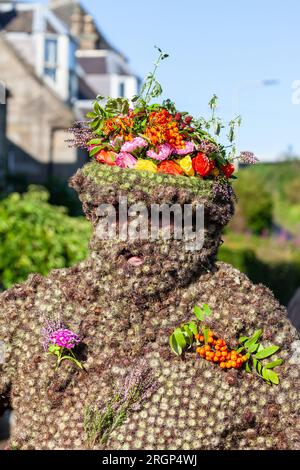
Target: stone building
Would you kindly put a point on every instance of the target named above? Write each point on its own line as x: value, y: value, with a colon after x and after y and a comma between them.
x: 55, y: 61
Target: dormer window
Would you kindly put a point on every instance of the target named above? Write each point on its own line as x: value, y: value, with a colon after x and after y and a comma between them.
x: 122, y: 89
x: 50, y: 59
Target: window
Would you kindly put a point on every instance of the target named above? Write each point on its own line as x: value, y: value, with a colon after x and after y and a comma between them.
x: 122, y: 89
x: 50, y: 58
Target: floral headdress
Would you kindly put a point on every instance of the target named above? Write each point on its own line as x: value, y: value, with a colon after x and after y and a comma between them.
x: 158, y: 138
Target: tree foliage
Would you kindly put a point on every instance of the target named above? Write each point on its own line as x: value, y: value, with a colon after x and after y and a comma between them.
x: 255, y: 201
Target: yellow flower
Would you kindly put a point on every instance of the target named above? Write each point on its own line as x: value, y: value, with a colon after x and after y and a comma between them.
x: 216, y: 172
x: 186, y: 165
x: 146, y: 165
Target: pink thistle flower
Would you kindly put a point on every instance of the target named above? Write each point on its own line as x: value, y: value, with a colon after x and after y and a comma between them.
x: 136, y: 143
x: 125, y: 160
x: 64, y: 338
x: 248, y: 158
x: 164, y: 151
x: 189, y: 148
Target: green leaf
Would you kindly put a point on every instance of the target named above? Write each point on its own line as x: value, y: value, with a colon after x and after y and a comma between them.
x: 117, y: 106
x: 213, y: 102
x: 95, y: 124
x: 193, y: 327
x: 175, y: 346
x: 254, y: 338
x: 91, y: 115
x: 156, y: 90
x: 54, y: 349
x: 239, y: 350
x: 257, y: 365
x: 95, y: 150
x: 189, y: 335
x: 273, y: 364
x: 248, y: 367
x: 270, y: 376
x: 267, y: 352
x: 252, y: 348
x: 199, y: 313
x: 180, y: 338
x: 205, y: 330
x: 243, y: 339
x: 95, y: 142
x: 207, y: 310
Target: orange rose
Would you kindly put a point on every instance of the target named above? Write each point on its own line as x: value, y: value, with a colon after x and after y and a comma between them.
x: 170, y: 168
x: 202, y: 164
x: 228, y: 169
x: 106, y: 156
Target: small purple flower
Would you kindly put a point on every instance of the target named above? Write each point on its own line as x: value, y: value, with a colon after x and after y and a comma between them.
x: 64, y: 338
x: 164, y: 151
x: 189, y: 148
x: 81, y: 135
x: 50, y: 326
x: 125, y: 160
x: 136, y: 143
x: 248, y: 157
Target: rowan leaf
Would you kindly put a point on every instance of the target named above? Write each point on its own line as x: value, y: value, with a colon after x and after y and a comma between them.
x: 175, y: 346
x: 199, y: 313
x: 193, y: 327
x: 266, y: 352
x: 273, y: 364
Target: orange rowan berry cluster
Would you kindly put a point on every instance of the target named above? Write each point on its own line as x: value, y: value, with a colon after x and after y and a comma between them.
x: 163, y: 129
x: 121, y: 126
x: 217, y: 351
x: 173, y: 136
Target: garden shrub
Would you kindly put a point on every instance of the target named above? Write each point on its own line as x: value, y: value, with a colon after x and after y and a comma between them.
x: 256, y: 203
x: 37, y: 237
x: 282, y: 277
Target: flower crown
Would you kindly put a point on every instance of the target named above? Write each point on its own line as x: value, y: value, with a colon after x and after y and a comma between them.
x: 158, y: 138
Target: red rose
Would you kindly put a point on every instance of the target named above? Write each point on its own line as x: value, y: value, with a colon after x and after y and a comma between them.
x: 228, y: 169
x: 106, y: 156
x: 202, y: 164
x: 170, y: 168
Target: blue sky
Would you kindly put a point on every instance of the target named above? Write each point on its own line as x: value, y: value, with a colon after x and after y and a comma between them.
x: 222, y: 47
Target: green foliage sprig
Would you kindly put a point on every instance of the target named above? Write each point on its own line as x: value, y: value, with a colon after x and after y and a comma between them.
x: 63, y: 354
x: 99, y: 424
x: 151, y: 87
x: 256, y: 353
x: 183, y: 337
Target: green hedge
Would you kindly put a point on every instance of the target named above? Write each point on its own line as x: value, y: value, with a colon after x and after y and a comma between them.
x: 283, y: 278
x: 37, y: 237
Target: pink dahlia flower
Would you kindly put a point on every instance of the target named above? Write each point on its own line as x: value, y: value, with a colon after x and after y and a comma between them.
x: 189, y: 148
x: 164, y: 151
x: 125, y: 160
x: 136, y: 143
x: 64, y: 339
